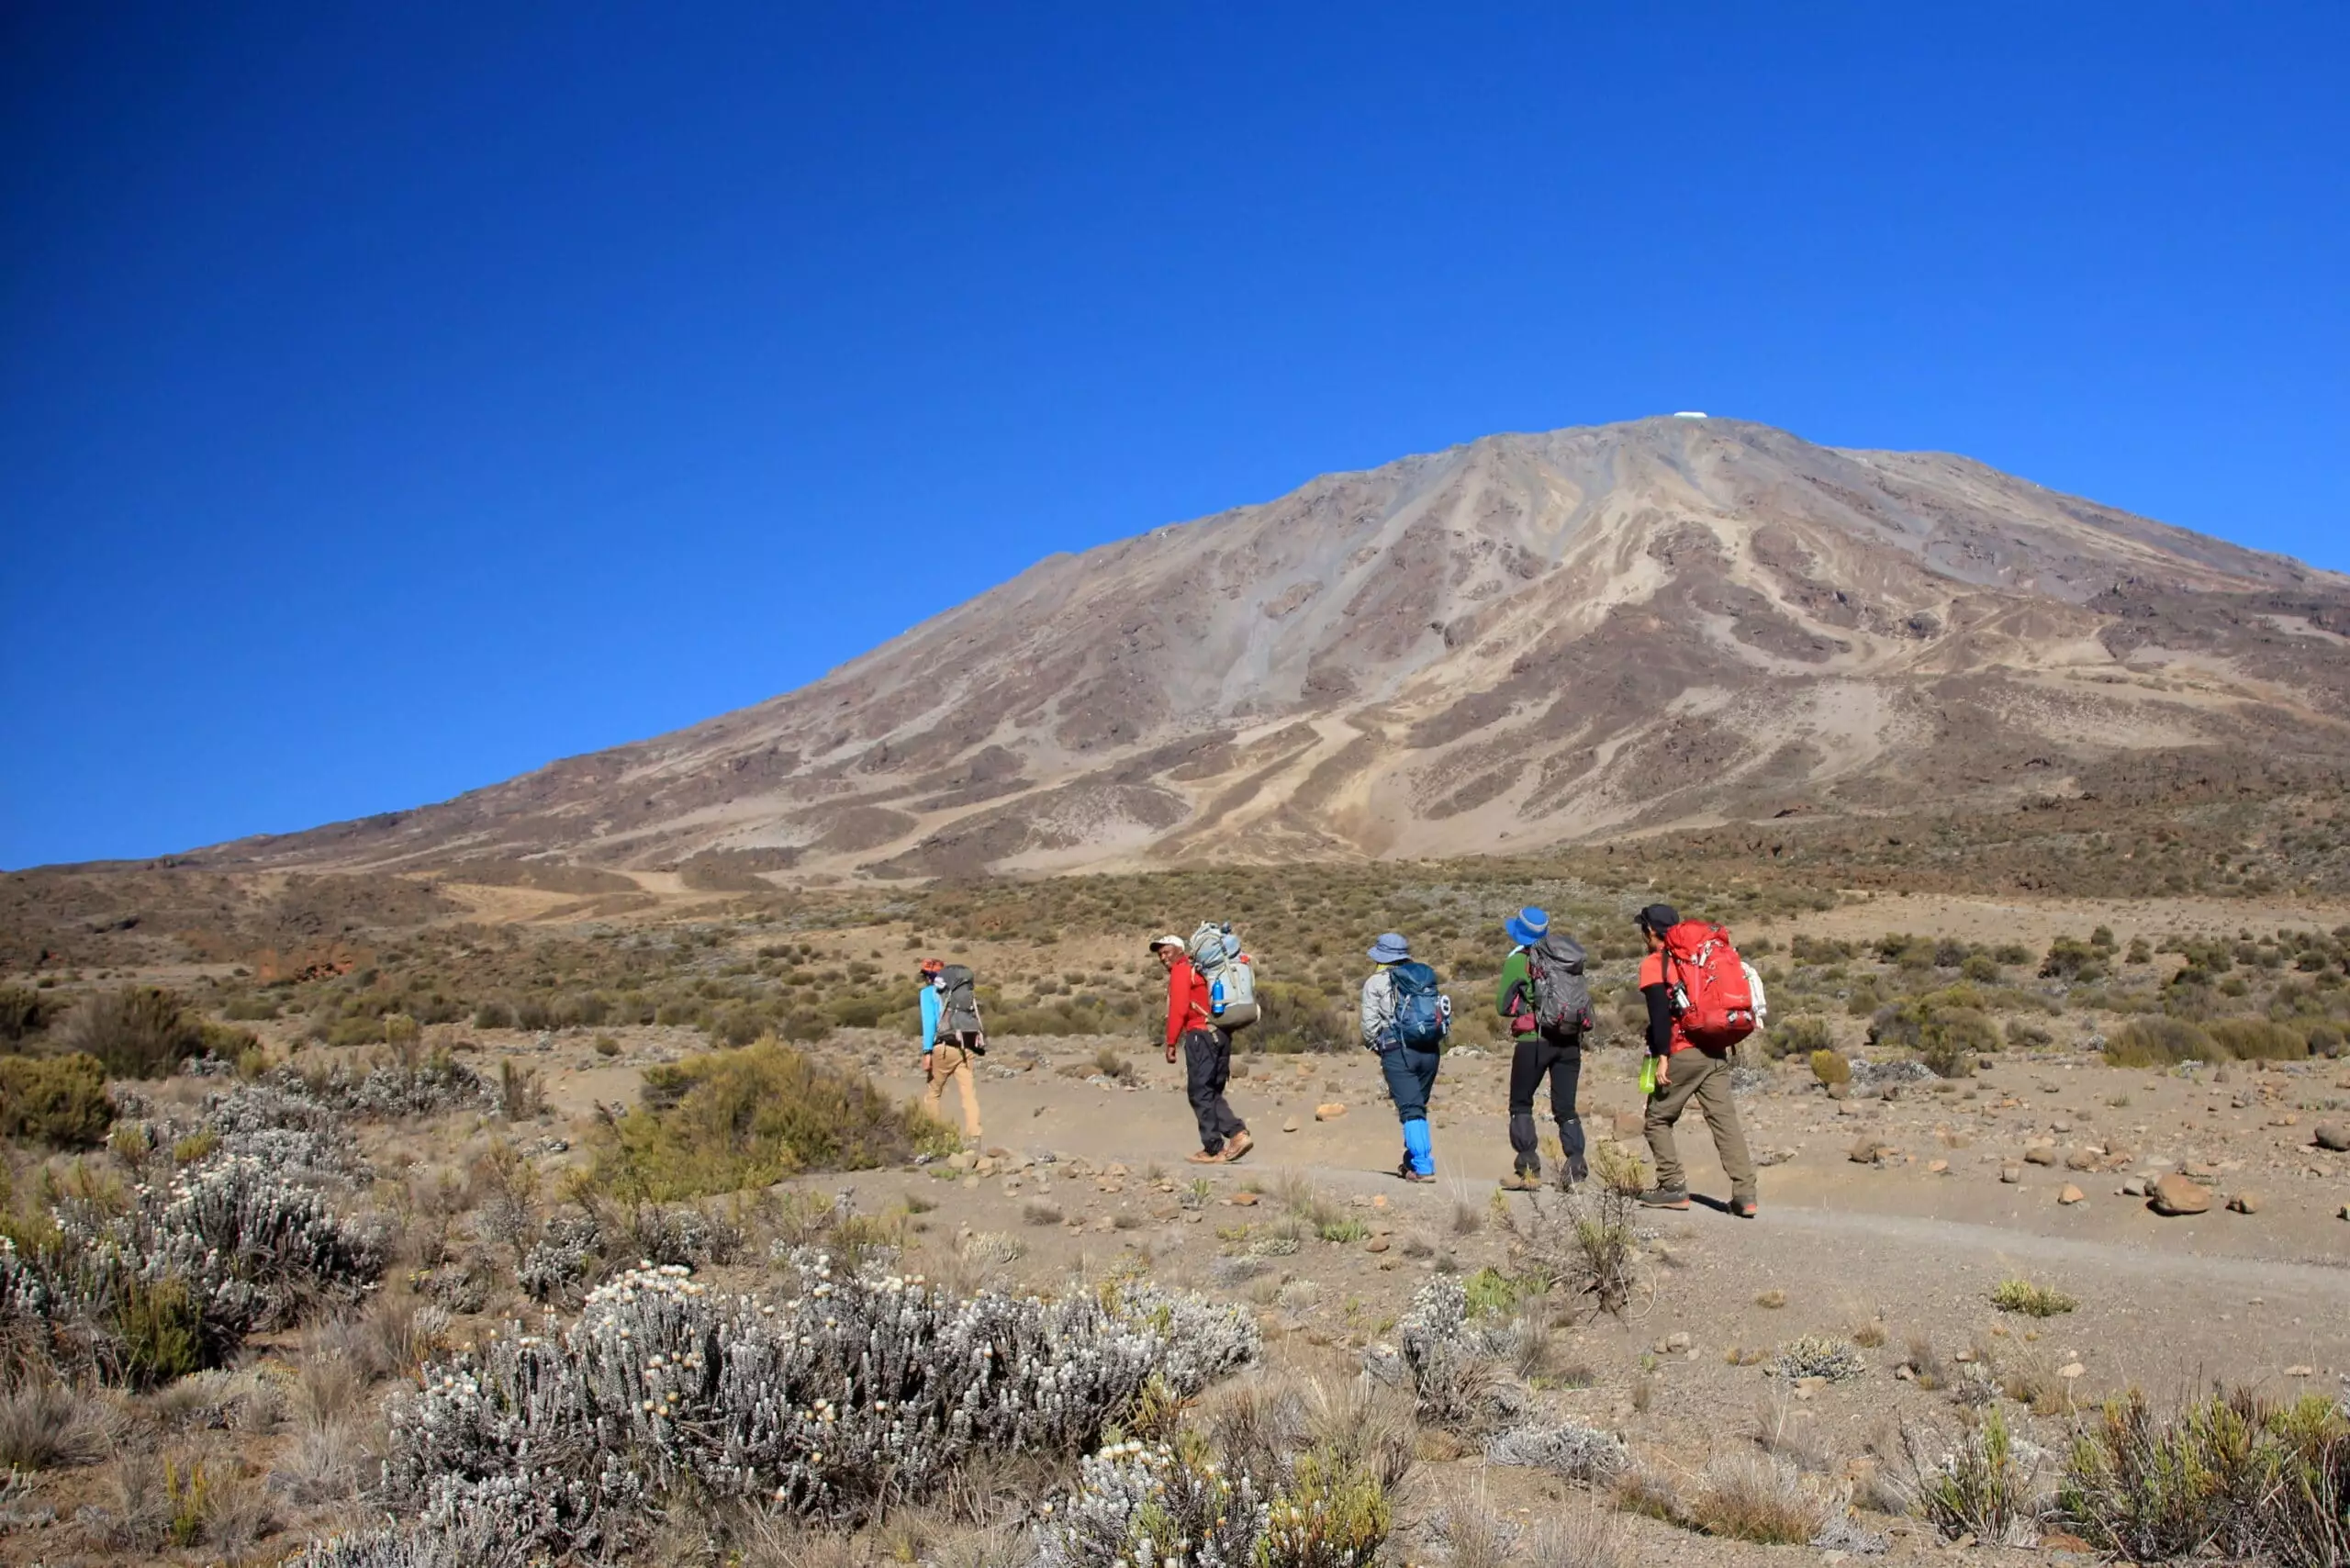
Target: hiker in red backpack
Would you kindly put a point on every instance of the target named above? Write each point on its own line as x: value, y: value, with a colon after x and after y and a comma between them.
x: 1206, y: 1051
x: 1700, y: 1006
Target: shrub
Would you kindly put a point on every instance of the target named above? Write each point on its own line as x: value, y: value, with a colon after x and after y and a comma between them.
x: 2257, y: 1039
x: 2032, y: 1300
x: 859, y: 1390
x: 2158, y: 1042
x: 136, y: 1031
x: 1800, y: 1035
x: 1815, y: 1355
x: 57, y: 1100
x: 1829, y: 1068
x: 2235, y: 1477
x: 1581, y: 1245
x: 1980, y: 1488
x: 24, y: 1013
x: 1452, y: 1365
x: 727, y: 1120
x: 2069, y: 958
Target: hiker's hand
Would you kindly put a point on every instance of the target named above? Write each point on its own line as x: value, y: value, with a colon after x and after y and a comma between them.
x: 1664, y: 1071
x: 926, y: 1060
x: 1170, y: 1053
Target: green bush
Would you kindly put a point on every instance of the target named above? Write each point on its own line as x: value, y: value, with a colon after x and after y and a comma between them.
x: 2236, y: 1478
x: 136, y: 1031
x: 728, y: 1120
x: 58, y: 1101
x: 1829, y: 1068
x: 2070, y: 959
x: 1799, y: 1035
x: 24, y: 1013
x: 2257, y: 1039
x: 159, y: 1328
x: 2158, y: 1042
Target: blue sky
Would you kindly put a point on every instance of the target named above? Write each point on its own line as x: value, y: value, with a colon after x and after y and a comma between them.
x: 395, y: 398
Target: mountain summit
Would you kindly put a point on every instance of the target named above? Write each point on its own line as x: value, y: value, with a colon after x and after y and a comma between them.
x: 1524, y: 639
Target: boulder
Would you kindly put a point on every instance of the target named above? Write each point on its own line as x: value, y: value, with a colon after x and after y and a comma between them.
x: 2071, y: 1194
x: 2334, y: 1136
x: 2245, y: 1203
x: 1291, y: 1124
x: 2011, y: 1174
x: 2174, y: 1194
x: 1328, y: 1111
x: 2041, y: 1154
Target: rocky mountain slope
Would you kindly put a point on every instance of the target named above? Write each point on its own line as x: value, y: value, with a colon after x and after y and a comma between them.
x: 1527, y: 638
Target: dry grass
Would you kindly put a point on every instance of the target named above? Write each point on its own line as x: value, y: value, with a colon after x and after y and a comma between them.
x: 2032, y: 1300
x: 46, y: 1424
x: 1758, y: 1497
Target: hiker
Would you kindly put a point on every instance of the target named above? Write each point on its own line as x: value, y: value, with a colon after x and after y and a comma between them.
x: 1547, y: 1003
x: 1685, y: 979
x: 952, y: 1040
x: 1405, y: 1019
x: 1207, y: 1055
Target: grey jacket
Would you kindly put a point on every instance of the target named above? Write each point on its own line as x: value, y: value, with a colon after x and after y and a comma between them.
x: 1378, y: 1008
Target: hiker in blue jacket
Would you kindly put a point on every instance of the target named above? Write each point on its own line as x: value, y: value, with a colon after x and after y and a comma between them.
x: 1405, y: 1019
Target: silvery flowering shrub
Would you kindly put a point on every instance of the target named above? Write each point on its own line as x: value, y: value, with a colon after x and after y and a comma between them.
x: 251, y: 1249
x: 1152, y: 1506
x: 439, y: 1083
x: 856, y: 1390
x: 1449, y: 1362
x: 1584, y: 1453
x: 1815, y: 1355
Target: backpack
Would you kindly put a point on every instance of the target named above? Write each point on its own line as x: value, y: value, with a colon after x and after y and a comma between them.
x: 1420, y: 1012
x: 958, y: 1002
x: 1712, y: 1002
x: 1562, y: 994
x: 1231, y: 976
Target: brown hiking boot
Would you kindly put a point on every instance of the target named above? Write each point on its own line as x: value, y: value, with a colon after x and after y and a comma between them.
x: 1238, y: 1145
x: 1202, y: 1157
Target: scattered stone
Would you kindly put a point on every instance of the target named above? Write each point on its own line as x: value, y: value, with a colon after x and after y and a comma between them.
x: 2174, y: 1195
x: 2041, y: 1154
x: 2334, y: 1136
x: 1868, y: 1151
x: 2011, y: 1174
x: 1376, y: 1244
x: 2301, y: 1372
x: 2071, y: 1369
x: 1291, y: 1124
x: 1938, y: 1167
x: 961, y: 1160
x: 1328, y: 1111
x: 2245, y: 1203
x: 1242, y: 1200
x: 2081, y: 1160
x: 2071, y: 1194
x: 2135, y: 1187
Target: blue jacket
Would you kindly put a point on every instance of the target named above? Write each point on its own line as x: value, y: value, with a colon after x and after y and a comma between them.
x: 930, y: 1002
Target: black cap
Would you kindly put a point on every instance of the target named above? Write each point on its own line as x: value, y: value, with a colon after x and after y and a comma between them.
x: 1658, y: 917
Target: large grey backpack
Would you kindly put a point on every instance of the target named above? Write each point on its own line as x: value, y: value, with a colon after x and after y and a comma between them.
x: 1562, y: 994
x: 958, y: 1002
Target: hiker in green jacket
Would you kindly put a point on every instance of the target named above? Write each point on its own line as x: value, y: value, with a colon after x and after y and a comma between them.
x: 1544, y: 998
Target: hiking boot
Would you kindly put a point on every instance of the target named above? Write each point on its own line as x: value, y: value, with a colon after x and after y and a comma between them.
x: 1202, y: 1157
x: 1577, y: 1169
x: 1744, y: 1208
x: 1238, y: 1145
x: 1665, y: 1198
x: 1520, y: 1182
x: 1405, y: 1171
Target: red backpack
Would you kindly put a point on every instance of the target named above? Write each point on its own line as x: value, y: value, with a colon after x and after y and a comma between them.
x: 1712, y: 1002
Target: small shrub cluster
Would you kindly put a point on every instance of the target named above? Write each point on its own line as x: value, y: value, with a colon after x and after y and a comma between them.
x: 1581, y: 1244
x: 2032, y: 1300
x: 1161, y: 1503
x: 57, y: 1100
x: 400, y: 1084
x: 860, y: 1390
x: 1452, y: 1364
x: 727, y: 1120
x: 1815, y: 1355
x: 1982, y: 1487
x: 2236, y: 1477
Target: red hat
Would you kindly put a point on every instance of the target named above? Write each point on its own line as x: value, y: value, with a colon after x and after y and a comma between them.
x: 932, y: 966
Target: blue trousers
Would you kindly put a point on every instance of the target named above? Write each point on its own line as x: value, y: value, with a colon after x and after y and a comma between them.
x: 1411, y: 1075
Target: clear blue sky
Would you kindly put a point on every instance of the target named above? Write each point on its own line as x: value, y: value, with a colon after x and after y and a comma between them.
x: 395, y: 397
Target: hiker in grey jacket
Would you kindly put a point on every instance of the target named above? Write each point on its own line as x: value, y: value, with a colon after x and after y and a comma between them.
x: 1404, y: 1019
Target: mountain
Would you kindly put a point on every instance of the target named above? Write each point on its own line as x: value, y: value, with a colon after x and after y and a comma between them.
x: 1520, y: 641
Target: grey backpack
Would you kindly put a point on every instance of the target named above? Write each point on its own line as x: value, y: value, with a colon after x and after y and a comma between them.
x: 1562, y: 994
x: 958, y: 1002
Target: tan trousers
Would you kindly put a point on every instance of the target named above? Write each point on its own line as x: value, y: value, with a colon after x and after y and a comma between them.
x: 1705, y: 1079
x: 952, y: 1061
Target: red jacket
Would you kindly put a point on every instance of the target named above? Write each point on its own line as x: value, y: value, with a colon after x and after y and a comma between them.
x: 1188, y: 1003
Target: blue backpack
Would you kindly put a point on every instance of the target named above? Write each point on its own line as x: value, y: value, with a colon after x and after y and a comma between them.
x: 1420, y: 1023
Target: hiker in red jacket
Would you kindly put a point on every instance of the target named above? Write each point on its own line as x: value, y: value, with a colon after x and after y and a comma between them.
x: 1207, y: 1056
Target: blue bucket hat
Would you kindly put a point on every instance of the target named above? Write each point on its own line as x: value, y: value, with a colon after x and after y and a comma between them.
x: 1528, y: 926
x: 1391, y: 949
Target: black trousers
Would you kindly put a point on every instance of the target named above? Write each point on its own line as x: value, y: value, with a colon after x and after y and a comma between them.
x: 1558, y: 1057
x: 1207, y: 1068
